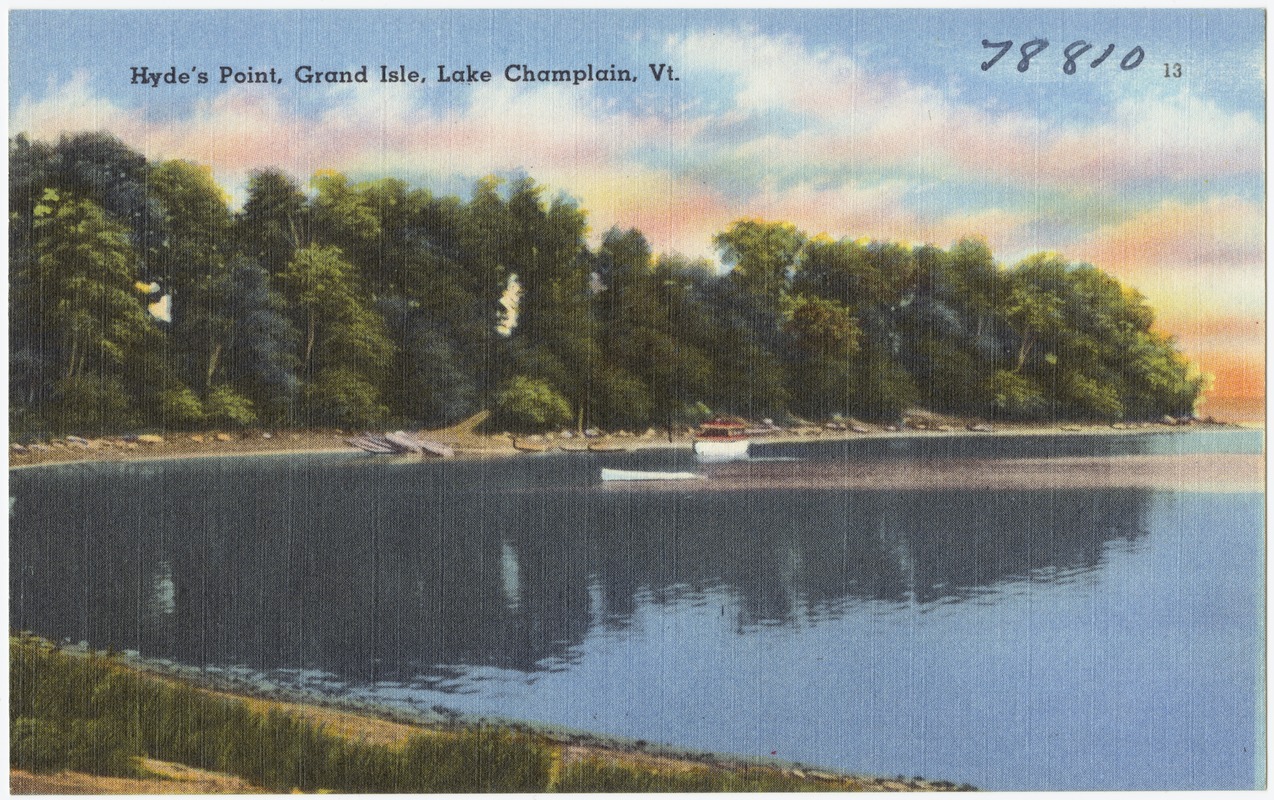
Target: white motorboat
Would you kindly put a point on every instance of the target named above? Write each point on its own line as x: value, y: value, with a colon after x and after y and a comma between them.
x: 722, y: 439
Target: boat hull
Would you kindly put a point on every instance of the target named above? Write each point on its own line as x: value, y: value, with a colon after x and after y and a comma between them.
x: 641, y: 475
x: 721, y: 450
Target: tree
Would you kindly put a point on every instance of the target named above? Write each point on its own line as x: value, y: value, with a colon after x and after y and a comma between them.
x: 92, y: 320
x: 761, y: 254
x: 824, y: 340
x: 191, y: 263
x: 259, y: 360
x: 531, y: 404
x: 273, y: 223
x: 346, y: 351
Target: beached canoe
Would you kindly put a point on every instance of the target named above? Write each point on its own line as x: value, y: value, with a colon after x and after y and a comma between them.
x: 606, y: 447
x: 529, y: 447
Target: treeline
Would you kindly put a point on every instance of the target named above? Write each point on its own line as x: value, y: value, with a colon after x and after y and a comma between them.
x: 369, y: 304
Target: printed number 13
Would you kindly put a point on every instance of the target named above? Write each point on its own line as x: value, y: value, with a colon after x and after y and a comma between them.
x: 1172, y: 70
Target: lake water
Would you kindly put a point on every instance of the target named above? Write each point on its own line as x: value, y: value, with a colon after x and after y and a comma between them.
x: 1011, y: 639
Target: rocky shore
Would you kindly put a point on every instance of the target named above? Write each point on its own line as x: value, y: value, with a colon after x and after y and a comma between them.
x: 470, y: 444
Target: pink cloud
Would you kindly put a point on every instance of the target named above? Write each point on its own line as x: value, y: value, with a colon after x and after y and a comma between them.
x: 1221, y: 233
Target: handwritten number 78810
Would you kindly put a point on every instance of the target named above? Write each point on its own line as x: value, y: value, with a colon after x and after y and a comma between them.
x: 1075, y: 50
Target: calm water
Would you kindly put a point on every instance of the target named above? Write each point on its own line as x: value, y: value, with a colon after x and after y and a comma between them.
x: 1013, y: 640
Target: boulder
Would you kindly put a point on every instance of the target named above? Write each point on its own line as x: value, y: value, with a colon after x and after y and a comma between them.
x: 150, y: 438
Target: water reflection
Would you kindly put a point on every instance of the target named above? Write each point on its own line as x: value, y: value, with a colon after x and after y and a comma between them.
x: 386, y: 573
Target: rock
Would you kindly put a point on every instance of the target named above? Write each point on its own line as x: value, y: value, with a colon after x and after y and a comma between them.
x: 267, y: 435
x: 943, y: 428
x: 223, y: 437
x: 859, y: 429
x: 592, y: 432
x: 979, y: 427
x: 891, y: 428
x: 77, y: 440
x: 17, y: 448
x: 150, y: 438
x: 1167, y: 420
x: 196, y: 438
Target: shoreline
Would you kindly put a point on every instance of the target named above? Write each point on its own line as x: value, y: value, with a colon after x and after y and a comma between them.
x: 393, y: 727
x: 471, y: 446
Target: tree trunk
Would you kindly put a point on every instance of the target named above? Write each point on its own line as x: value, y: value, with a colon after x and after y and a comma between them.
x: 212, y: 367
x: 70, y: 366
x: 1024, y: 350
x: 309, y: 343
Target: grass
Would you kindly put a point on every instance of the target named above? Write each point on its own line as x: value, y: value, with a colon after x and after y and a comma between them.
x: 91, y: 713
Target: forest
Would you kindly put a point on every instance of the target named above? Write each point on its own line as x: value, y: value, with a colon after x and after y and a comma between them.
x: 139, y: 299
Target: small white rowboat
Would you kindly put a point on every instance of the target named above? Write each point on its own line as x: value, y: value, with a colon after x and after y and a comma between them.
x: 641, y: 475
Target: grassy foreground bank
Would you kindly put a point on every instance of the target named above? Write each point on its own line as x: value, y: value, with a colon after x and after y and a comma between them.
x: 94, y: 715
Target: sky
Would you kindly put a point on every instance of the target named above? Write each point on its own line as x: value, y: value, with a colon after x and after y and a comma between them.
x: 849, y: 123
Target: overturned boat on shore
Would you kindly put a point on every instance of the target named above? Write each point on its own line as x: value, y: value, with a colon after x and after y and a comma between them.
x: 398, y: 443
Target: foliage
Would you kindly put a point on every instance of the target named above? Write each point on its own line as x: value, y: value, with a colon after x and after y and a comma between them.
x: 531, y: 404
x: 341, y: 396
x: 1015, y: 397
x: 375, y: 302
x: 596, y: 775
x: 89, y: 714
x: 180, y: 407
x: 225, y: 406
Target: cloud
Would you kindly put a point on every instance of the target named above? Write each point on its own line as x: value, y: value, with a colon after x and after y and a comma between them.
x: 1219, y: 235
x: 848, y: 118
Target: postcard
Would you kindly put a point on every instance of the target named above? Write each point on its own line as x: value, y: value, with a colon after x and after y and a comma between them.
x: 533, y: 400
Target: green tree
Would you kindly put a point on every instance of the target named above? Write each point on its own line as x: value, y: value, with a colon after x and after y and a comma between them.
x: 192, y: 266
x: 83, y: 279
x: 531, y: 404
x: 761, y: 254
x: 346, y: 351
x: 274, y: 221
